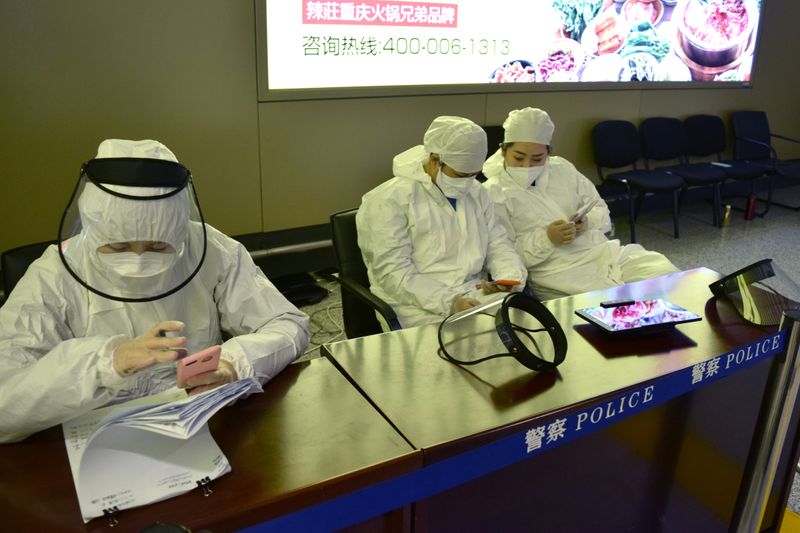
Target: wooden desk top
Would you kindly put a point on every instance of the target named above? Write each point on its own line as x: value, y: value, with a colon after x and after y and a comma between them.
x: 435, y: 403
x: 309, y: 437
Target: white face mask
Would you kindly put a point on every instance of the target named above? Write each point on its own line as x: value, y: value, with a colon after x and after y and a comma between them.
x: 133, y: 265
x: 454, y: 187
x: 525, y: 176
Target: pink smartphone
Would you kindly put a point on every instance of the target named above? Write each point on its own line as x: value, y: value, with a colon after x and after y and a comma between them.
x: 198, y: 363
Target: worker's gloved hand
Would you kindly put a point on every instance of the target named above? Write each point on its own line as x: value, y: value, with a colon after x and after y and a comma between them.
x: 561, y: 232
x: 149, y: 349
x: 463, y: 302
x: 491, y: 288
x: 225, y: 373
x: 581, y: 225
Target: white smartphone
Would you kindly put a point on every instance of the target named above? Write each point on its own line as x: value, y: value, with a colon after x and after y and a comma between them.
x: 582, y: 211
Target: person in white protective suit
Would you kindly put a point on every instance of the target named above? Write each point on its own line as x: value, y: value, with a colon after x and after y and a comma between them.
x: 135, y: 282
x: 429, y: 235
x: 535, y: 194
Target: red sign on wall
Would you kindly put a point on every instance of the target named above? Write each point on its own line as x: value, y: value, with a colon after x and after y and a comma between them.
x: 380, y: 13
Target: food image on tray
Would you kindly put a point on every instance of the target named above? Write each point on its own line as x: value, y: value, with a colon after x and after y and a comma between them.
x: 563, y: 60
x: 640, y: 66
x: 643, y: 50
x: 636, y: 11
x: 519, y: 71
x: 718, y: 22
x: 715, y: 35
x: 604, y: 34
x: 671, y: 68
x: 576, y: 15
x: 740, y: 73
x: 643, y: 38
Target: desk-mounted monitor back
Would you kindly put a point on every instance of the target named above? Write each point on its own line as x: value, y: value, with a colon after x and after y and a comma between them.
x: 761, y: 292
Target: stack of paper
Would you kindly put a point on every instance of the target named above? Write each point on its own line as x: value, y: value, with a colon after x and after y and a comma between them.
x: 148, y: 449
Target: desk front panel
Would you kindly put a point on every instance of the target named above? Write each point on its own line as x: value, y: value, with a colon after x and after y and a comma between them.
x: 676, y: 467
x: 309, y: 437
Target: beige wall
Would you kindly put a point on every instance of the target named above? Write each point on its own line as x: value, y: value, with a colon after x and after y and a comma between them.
x: 184, y: 72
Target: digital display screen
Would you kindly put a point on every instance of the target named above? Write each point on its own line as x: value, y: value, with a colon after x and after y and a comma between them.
x: 311, y: 44
x: 642, y: 314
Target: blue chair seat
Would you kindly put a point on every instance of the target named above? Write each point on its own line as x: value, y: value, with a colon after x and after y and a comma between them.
x: 699, y: 173
x: 746, y: 170
x: 651, y: 180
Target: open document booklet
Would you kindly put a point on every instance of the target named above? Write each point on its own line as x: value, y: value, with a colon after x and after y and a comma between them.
x: 148, y: 449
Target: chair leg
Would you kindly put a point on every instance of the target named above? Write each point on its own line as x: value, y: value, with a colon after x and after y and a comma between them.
x: 769, y: 201
x: 681, y: 195
x: 717, y: 218
x: 632, y: 215
x: 675, y: 199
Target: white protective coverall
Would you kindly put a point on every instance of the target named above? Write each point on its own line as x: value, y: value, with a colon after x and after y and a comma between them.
x: 420, y: 252
x: 57, y: 338
x: 591, y: 261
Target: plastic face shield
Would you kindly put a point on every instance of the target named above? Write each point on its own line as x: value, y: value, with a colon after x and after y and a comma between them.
x: 761, y: 292
x: 133, y: 200
x: 515, y: 326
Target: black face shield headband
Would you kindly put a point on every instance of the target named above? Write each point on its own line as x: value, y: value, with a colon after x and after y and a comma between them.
x: 133, y: 172
x: 518, y: 339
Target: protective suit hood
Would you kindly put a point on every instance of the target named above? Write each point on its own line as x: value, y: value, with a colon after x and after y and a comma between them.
x: 459, y: 142
x: 133, y: 191
x: 110, y: 219
x: 494, y: 166
x: 144, y: 149
x: 408, y: 164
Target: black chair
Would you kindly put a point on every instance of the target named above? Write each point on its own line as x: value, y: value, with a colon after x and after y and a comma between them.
x: 616, y: 145
x: 358, y: 303
x: 15, y: 262
x: 705, y: 137
x: 664, y: 140
x: 753, y: 142
x: 494, y: 136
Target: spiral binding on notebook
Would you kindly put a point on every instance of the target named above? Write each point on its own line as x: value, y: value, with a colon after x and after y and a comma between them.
x: 111, y: 514
x: 205, y: 484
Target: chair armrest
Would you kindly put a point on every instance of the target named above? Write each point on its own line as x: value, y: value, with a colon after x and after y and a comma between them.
x: 621, y: 181
x: 772, y: 153
x: 373, y: 301
x: 785, y: 137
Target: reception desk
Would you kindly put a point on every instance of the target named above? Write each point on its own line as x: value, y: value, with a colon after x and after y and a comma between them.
x: 383, y: 434
x: 676, y: 466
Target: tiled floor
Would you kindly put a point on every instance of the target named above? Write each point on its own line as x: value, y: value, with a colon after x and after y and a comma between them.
x: 326, y: 319
x: 738, y: 244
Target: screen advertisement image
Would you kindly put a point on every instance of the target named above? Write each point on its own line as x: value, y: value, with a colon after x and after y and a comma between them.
x: 313, y: 44
x: 655, y: 314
